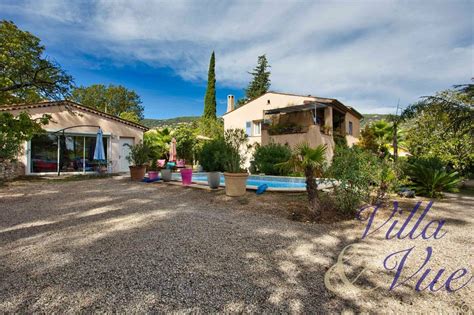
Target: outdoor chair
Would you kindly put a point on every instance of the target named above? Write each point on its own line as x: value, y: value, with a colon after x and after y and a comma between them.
x: 180, y: 164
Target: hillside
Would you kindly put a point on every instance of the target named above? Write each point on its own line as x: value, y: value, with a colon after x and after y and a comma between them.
x: 369, y: 118
x: 171, y: 122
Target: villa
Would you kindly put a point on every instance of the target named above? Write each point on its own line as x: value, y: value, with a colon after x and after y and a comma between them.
x: 69, y: 142
x: 292, y: 119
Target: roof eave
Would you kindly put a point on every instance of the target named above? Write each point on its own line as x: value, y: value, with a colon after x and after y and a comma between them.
x: 80, y: 106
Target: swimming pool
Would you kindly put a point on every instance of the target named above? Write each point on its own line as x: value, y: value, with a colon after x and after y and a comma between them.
x: 275, y: 183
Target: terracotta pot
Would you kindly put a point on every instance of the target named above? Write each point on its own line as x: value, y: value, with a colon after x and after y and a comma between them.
x: 186, y: 176
x: 137, y: 173
x: 214, y: 179
x: 235, y: 184
x: 166, y: 175
x: 152, y: 175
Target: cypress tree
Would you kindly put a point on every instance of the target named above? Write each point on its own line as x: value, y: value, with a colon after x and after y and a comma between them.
x: 210, y: 98
x: 261, y: 79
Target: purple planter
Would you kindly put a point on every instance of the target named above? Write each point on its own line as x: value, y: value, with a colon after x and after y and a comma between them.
x: 186, y: 176
x: 152, y: 175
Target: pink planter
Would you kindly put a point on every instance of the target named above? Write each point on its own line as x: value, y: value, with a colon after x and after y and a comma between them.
x: 186, y: 176
x: 152, y: 175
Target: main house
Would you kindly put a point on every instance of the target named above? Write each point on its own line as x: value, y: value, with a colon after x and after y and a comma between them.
x: 293, y: 119
x: 69, y: 142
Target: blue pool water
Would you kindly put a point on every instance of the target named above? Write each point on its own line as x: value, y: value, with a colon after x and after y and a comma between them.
x: 254, y: 181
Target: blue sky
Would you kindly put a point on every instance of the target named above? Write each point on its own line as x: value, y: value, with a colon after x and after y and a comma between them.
x: 368, y: 54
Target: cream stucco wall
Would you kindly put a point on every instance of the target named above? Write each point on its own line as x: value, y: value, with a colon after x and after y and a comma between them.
x: 354, y: 138
x: 63, y: 117
x: 254, y: 111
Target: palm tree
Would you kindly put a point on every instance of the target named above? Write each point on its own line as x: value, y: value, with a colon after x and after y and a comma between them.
x: 158, y: 140
x: 383, y: 131
x: 311, y: 162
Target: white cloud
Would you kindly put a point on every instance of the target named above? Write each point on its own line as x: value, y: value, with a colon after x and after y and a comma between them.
x: 367, y: 54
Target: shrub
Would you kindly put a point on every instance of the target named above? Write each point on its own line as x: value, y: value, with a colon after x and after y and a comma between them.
x: 185, y: 142
x: 340, y: 141
x: 210, y: 127
x: 266, y: 157
x: 430, y: 178
x: 386, y: 179
x: 139, y: 154
x: 213, y: 154
x: 355, y: 169
x: 236, y: 148
x: 287, y: 128
x: 153, y: 165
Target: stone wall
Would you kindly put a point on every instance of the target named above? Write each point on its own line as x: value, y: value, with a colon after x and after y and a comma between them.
x: 11, y: 169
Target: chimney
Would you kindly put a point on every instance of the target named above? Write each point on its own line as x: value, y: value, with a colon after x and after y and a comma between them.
x: 230, y: 103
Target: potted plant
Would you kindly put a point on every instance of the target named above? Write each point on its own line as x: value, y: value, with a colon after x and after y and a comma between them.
x: 166, y: 173
x: 212, y: 158
x: 234, y: 157
x: 326, y: 129
x: 153, y: 169
x: 138, y: 158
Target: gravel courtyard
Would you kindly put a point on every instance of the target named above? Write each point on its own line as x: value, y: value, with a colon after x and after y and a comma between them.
x: 113, y: 245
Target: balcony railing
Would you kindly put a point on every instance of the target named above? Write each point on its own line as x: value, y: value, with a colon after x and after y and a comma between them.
x: 282, y: 129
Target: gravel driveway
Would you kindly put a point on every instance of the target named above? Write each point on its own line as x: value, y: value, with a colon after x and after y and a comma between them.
x: 113, y: 245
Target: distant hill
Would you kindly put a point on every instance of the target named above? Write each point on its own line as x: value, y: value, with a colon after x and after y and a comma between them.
x: 184, y: 120
x: 369, y: 118
x: 170, y: 123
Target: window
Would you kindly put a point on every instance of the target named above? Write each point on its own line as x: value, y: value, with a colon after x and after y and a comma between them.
x: 350, y: 128
x: 44, y: 154
x: 248, y: 128
x: 76, y: 153
x: 257, y: 128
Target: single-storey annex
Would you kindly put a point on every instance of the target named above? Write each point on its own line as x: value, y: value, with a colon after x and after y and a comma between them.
x: 69, y: 142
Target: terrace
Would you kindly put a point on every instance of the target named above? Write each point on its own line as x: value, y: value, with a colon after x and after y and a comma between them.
x: 312, y: 122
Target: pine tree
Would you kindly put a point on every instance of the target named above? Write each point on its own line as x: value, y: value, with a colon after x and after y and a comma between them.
x: 210, y: 98
x: 261, y: 79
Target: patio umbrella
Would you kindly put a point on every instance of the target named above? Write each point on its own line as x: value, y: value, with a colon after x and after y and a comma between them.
x: 173, y: 150
x: 99, y: 153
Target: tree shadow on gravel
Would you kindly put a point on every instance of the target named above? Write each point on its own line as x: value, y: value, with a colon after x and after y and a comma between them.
x: 166, y: 249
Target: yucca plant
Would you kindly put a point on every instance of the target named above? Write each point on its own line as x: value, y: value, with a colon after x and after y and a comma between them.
x: 432, y: 181
x: 311, y: 162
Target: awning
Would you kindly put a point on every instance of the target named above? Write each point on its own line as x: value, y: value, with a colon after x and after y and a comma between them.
x: 295, y: 108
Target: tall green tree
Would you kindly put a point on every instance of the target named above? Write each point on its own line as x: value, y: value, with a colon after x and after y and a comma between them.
x: 26, y: 75
x: 15, y: 130
x: 260, y: 81
x: 210, y: 98
x: 130, y: 116
x: 112, y: 99
x: 443, y: 126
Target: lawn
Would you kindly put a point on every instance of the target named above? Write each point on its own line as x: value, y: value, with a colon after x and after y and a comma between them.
x: 113, y: 245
